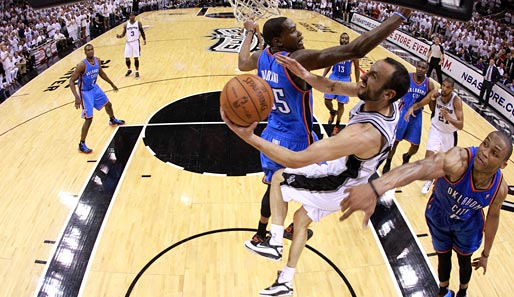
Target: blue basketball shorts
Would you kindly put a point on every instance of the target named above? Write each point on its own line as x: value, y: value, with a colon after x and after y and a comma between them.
x: 94, y: 98
x: 411, y: 130
x: 269, y: 166
x: 340, y: 98
x: 464, y: 236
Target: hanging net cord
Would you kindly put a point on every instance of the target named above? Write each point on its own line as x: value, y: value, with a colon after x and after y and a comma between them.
x: 254, y: 9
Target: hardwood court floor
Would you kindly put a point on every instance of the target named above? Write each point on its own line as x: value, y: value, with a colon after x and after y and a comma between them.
x: 43, y: 176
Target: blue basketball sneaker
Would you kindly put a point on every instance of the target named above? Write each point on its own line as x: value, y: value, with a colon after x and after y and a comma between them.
x: 116, y: 122
x: 84, y: 149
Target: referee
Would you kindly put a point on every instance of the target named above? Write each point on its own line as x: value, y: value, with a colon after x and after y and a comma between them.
x: 435, y: 59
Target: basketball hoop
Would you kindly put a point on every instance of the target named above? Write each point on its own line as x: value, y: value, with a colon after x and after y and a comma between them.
x: 254, y: 9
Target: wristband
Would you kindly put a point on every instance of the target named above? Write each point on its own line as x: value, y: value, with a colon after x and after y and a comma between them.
x: 400, y: 15
x: 374, y: 189
x: 253, y: 31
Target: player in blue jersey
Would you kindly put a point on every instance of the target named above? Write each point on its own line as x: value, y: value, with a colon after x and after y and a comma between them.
x: 91, y: 96
x: 318, y: 176
x: 468, y: 180
x: 409, y: 126
x: 290, y: 121
x: 341, y: 72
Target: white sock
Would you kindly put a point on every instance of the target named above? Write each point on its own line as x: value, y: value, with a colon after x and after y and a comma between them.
x: 277, y: 234
x: 286, y: 275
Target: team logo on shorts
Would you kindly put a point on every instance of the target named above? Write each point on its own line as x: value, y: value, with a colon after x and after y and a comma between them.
x: 229, y: 40
x: 291, y: 179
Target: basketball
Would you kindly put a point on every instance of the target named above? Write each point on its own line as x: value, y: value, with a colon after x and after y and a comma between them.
x: 246, y: 98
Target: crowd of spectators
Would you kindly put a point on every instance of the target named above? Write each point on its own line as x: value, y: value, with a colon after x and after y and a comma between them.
x: 487, y: 36
x: 23, y: 29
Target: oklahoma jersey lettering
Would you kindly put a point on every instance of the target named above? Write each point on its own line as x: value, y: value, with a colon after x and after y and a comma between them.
x: 415, y: 94
x: 87, y: 80
x: 461, y: 200
x: 292, y: 108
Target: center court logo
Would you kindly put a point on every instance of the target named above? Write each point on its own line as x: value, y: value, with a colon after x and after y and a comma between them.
x: 64, y: 79
x: 229, y: 40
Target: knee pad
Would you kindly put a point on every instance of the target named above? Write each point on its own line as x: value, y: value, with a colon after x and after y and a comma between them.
x: 265, y: 204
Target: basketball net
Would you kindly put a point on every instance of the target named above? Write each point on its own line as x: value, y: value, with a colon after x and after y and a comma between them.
x: 254, y: 9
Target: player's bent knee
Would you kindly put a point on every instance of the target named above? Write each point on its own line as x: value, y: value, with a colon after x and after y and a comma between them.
x: 277, y: 177
x: 301, y: 219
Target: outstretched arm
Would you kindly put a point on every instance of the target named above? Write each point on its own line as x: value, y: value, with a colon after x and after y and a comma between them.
x: 364, y: 197
x: 358, y: 48
x: 363, y: 140
x: 320, y: 83
x: 246, y: 60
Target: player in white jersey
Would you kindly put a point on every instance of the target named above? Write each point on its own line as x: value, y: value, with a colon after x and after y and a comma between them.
x: 318, y: 176
x: 133, y: 30
x: 447, y: 119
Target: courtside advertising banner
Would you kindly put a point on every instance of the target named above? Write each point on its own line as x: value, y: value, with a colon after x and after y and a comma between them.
x: 471, y: 79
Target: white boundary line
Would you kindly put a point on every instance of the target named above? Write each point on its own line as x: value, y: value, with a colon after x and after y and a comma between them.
x: 147, y: 124
x: 434, y: 274
x: 381, y: 248
x: 61, y: 234
x: 191, y: 123
x: 106, y: 217
x: 384, y: 256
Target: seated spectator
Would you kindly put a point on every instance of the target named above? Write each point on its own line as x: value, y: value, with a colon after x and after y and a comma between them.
x: 511, y: 85
x: 480, y: 64
x: 504, y: 79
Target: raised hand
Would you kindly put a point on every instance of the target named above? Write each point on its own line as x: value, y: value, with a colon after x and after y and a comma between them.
x: 361, y: 197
